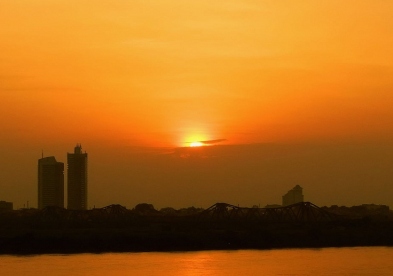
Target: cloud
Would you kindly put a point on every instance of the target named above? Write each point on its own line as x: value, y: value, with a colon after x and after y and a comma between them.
x: 211, y: 142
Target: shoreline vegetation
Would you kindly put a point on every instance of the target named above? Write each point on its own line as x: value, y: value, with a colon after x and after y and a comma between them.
x: 223, y: 226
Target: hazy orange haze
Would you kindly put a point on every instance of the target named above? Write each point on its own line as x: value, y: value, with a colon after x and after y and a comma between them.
x: 163, y: 73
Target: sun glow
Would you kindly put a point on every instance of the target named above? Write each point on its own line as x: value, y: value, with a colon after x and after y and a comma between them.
x: 196, y: 144
x: 196, y: 139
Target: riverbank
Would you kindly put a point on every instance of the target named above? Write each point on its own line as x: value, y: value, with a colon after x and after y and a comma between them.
x: 192, y: 236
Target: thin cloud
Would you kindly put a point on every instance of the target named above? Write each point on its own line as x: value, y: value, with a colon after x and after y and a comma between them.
x: 212, y: 142
x: 209, y: 142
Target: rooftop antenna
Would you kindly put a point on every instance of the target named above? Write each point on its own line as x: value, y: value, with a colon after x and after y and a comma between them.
x: 42, y: 152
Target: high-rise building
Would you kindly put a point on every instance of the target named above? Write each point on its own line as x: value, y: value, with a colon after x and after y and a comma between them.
x: 50, y: 182
x: 77, y: 179
x: 293, y: 196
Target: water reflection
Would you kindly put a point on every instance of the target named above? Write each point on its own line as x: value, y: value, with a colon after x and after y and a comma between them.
x: 331, y: 261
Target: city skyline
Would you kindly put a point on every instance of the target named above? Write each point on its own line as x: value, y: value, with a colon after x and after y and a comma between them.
x: 51, y: 188
x: 273, y: 155
x: 270, y: 94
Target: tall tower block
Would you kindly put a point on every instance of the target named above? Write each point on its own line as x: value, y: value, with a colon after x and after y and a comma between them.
x: 50, y: 182
x: 77, y: 179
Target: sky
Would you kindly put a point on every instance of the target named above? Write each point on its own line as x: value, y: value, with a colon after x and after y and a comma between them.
x: 292, y: 93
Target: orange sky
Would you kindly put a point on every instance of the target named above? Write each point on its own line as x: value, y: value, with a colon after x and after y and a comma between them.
x: 163, y: 73
x: 159, y: 72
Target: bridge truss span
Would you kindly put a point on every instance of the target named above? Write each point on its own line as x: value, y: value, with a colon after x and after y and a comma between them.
x: 299, y: 212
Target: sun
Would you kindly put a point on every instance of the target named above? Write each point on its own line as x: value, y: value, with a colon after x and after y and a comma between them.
x: 196, y: 144
x: 195, y: 140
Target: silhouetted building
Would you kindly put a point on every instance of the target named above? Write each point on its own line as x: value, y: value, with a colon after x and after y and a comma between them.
x: 6, y: 206
x: 293, y: 196
x: 360, y: 211
x: 77, y: 179
x: 50, y: 182
x: 273, y: 206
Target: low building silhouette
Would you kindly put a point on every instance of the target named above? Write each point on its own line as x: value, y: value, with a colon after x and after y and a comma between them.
x: 361, y: 211
x: 6, y: 206
x: 273, y: 206
x: 295, y: 195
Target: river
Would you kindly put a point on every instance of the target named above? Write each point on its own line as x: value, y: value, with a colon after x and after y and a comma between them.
x: 326, y: 261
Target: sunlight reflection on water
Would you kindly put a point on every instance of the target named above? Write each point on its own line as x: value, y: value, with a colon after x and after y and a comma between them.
x: 330, y: 261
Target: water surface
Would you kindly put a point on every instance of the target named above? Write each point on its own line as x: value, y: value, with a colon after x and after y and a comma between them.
x: 329, y: 261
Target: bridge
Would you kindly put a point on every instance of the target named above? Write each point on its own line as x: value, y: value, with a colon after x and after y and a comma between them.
x: 299, y: 212
x: 219, y: 212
